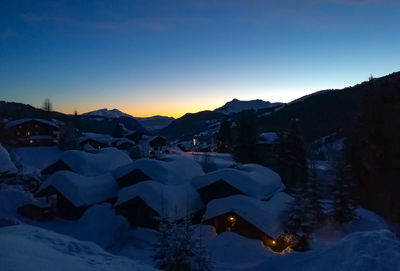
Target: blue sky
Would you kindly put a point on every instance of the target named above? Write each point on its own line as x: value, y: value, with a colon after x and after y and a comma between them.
x: 172, y: 57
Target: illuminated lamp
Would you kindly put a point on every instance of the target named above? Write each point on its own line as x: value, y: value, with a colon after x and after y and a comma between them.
x: 31, y: 141
x: 232, y: 218
x: 273, y: 242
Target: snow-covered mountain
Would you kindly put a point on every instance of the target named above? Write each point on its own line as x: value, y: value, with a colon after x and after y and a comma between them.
x: 155, y: 122
x: 105, y: 113
x: 236, y: 106
x: 150, y: 123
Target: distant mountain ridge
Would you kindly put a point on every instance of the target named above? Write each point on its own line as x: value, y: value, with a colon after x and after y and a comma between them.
x: 236, y: 106
x: 105, y: 113
x: 150, y: 123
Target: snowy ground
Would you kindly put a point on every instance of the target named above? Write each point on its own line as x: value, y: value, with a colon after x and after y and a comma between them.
x: 100, y: 240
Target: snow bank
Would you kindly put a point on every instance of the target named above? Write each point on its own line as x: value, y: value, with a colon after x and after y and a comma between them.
x: 253, y: 180
x: 230, y: 251
x: 265, y: 215
x: 6, y: 165
x: 171, y: 201
x: 34, y: 159
x: 360, y: 251
x: 174, y: 170
x: 81, y: 190
x: 30, y: 248
x: 11, y: 198
x: 100, y: 162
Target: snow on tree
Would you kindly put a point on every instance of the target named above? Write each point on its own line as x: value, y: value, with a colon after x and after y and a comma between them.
x: 176, y: 250
x: 343, y: 201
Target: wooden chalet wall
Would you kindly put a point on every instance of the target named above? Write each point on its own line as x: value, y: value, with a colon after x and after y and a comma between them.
x: 241, y: 226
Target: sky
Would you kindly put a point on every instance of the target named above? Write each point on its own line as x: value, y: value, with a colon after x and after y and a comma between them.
x: 170, y: 57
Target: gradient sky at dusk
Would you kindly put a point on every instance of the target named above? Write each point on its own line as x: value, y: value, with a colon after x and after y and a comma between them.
x: 171, y: 57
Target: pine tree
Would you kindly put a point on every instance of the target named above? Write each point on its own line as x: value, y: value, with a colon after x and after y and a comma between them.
x: 162, y: 246
x: 343, y: 202
x: 298, y: 225
x: 291, y: 157
x: 176, y: 249
x: 312, y: 195
x: 246, y: 147
x: 224, y: 137
x: 77, y: 122
x: 118, y: 132
x: 69, y: 138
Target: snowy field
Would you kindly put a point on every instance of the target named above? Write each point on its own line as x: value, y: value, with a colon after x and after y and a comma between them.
x: 102, y: 240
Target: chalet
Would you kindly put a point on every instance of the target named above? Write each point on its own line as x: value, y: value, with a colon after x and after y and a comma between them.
x: 251, y: 180
x: 7, y: 167
x: 135, y: 136
x: 31, y: 132
x: 97, y: 141
x: 144, y: 203
x: 249, y: 217
x: 174, y: 170
x: 75, y: 193
x: 89, y: 164
x: 157, y: 143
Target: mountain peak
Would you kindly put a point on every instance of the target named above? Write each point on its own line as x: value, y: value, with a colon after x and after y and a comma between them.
x: 236, y: 106
x: 105, y: 113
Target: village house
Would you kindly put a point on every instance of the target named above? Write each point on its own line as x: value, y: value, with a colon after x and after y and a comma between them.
x: 251, y: 180
x: 97, y: 141
x: 157, y: 144
x: 31, y: 132
x: 144, y: 203
x: 87, y: 163
x: 75, y: 193
x: 249, y: 217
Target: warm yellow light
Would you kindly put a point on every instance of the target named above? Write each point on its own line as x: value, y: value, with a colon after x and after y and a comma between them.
x: 28, y: 133
x: 231, y: 218
x: 273, y: 242
x: 31, y: 141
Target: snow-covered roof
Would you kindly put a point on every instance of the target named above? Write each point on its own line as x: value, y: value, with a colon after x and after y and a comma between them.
x: 82, y: 190
x: 265, y: 215
x: 102, y: 138
x: 253, y: 180
x: 20, y: 121
x: 120, y: 141
x: 267, y: 138
x: 99, y: 162
x: 6, y: 165
x: 170, y: 201
x: 175, y: 169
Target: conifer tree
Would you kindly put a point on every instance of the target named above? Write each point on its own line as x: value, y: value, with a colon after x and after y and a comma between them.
x: 118, y: 132
x: 246, y: 146
x: 224, y: 137
x: 343, y: 199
